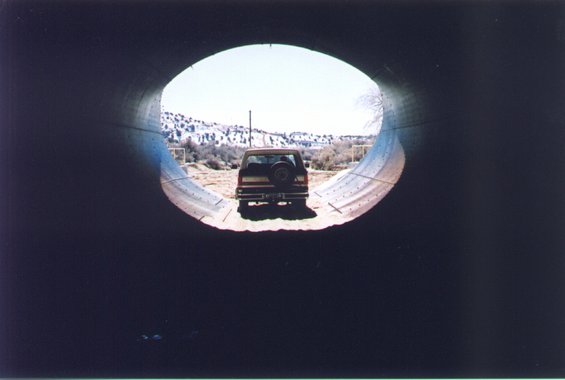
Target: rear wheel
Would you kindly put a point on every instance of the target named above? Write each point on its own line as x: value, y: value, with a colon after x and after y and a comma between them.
x: 299, y: 203
x: 243, y: 205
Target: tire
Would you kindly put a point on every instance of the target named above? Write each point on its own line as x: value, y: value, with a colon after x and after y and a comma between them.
x: 243, y: 205
x: 300, y: 203
x: 282, y: 174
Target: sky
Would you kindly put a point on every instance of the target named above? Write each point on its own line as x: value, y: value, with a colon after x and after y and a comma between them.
x: 286, y: 88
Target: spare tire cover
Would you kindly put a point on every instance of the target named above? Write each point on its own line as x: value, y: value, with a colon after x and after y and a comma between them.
x: 282, y: 174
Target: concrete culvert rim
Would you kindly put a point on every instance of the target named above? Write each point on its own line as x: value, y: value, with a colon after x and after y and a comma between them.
x: 344, y: 197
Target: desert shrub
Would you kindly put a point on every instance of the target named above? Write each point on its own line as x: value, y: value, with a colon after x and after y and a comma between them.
x: 307, y: 154
x: 209, y: 149
x: 192, y: 151
x: 215, y: 156
x: 214, y: 163
x: 332, y: 157
x: 337, y: 155
x: 230, y: 154
x: 324, y: 159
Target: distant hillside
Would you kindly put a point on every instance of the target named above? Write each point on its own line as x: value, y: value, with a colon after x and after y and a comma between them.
x: 178, y: 128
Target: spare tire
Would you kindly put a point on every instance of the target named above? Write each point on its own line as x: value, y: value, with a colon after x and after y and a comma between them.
x: 282, y: 174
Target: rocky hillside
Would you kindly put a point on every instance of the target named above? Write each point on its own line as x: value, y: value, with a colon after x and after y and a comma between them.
x: 178, y: 128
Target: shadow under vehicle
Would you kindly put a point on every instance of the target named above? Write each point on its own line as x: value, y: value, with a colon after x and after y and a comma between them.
x: 271, y: 211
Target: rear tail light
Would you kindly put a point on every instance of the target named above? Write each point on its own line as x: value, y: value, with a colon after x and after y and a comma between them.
x: 239, y: 180
x: 302, y: 179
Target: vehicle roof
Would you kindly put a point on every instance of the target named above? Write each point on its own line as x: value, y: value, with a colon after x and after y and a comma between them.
x: 271, y: 150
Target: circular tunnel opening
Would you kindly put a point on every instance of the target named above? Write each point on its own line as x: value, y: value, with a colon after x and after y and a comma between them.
x: 277, y: 97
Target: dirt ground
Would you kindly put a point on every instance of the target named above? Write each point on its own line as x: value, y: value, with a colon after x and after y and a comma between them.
x: 317, y: 214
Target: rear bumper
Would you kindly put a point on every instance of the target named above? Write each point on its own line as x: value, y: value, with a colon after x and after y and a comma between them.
x: 260, y: 195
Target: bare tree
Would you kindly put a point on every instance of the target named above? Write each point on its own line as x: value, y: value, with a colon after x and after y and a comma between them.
x: 373, y: 101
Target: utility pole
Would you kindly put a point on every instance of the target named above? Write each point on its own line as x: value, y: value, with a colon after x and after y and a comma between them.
x: 250, y: 128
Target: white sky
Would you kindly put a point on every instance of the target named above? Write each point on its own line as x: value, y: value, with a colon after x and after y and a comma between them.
x: 287, y: 89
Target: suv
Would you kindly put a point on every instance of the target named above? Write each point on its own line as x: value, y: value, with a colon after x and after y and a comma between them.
x: 272, y: 175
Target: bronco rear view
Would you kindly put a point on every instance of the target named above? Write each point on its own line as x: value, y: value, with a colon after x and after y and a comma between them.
x: 272, y: 175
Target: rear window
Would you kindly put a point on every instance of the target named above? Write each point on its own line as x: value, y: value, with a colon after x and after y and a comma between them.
x: 270, y: 159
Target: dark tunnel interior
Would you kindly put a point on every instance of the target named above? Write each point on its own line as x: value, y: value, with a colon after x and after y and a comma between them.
x: 457, y: 272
